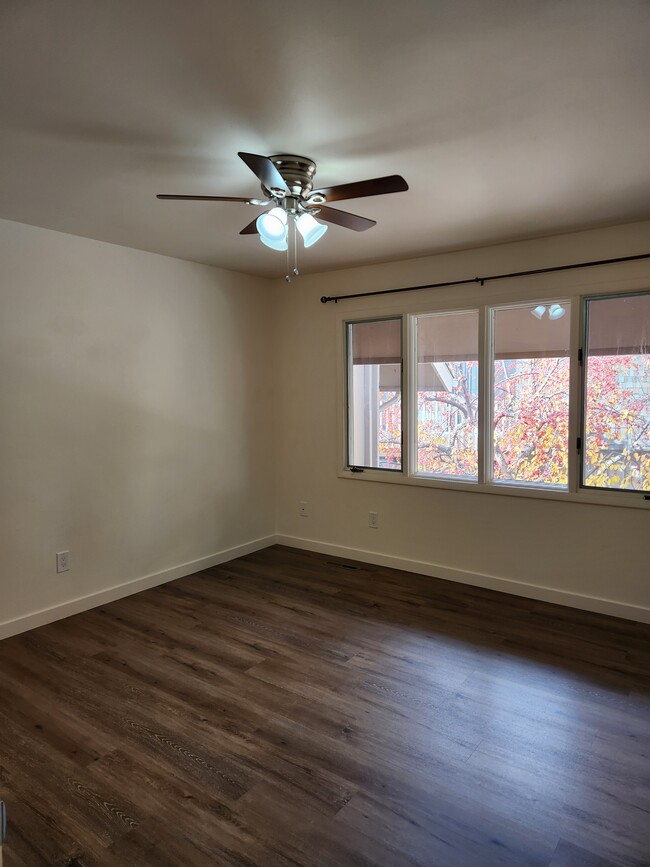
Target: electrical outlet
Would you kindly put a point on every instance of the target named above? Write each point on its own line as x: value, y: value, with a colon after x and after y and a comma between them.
x: 62, y: 561
x: 373, y: 520
x: 302, y: 509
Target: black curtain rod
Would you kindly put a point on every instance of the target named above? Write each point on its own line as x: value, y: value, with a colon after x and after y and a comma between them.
x: 482, y: 280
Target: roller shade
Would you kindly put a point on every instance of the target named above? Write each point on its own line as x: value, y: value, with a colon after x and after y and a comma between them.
x: 454, y: 337
x: 519, y: 334
x: 619, y: 326
x: 447, y: 337
x: 378, y: 342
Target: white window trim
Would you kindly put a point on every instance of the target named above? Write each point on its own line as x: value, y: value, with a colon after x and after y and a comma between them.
x: 572, y: 494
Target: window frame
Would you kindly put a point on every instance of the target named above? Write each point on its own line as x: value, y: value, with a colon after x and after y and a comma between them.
x: 489, y: 359
x: 359, y: 468
x: 582, y: 398
x: 485, y: 304
x: 412, y: 432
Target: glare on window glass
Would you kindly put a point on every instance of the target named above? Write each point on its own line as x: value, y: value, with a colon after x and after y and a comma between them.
x: 531, y: 394
x: 447, y: 395
x: 375, y: 394
x: 616, y: 452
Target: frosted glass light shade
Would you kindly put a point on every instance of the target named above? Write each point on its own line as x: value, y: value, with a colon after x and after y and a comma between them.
x: 538, y: 311
x: 556, y: 311
x: 310, y: 229
x: 272, y: 225
x: 280, y: 244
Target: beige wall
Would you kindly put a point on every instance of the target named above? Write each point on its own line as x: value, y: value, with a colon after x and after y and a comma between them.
x: 587, y: 555
x: 157, y: 416
x: 133, y: 414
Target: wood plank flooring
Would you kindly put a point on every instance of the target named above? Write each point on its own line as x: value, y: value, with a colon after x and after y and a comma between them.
x: 284, y: 710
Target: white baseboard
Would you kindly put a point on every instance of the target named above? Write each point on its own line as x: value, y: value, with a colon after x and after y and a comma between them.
x: 102, y: 597
x: 476, y: 579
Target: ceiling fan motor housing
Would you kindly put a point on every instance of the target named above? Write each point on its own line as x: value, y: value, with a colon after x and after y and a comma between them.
x: 298, y: 172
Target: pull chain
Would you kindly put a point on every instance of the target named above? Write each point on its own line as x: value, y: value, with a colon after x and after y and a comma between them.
x: 292, y: 238
x: 295, y: 250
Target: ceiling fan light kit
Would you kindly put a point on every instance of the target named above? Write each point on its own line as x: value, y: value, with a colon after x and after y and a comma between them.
x: 287, y: 184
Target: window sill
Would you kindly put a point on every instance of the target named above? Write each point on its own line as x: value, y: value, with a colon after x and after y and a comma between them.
x: 623, y: 499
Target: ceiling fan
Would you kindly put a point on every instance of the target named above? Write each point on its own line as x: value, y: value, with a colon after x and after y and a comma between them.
x: 287, y: 184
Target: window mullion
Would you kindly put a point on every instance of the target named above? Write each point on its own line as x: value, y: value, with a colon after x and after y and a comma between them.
x: 406, y: 396
x: 411, y: 382
x: 575, y: 399
x: 485, y: 372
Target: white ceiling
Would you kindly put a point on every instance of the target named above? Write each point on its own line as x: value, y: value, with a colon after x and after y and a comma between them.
x: 508, y: 118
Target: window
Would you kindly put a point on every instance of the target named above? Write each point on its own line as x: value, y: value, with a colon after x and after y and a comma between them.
x: 530, y: 402
x: 500, y: 399
x: 447, y: 395
x: 616, y: 409
x: 374, y: 387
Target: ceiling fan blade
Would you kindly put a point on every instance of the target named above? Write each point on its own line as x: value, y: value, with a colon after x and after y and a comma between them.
x: 204, y: 198
x: 342, y: 218
x: 250, y: 229
x: 265, y: 171
x: 361, y: 189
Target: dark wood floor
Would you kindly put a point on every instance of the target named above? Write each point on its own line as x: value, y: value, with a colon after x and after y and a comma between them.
x: 284, y: 710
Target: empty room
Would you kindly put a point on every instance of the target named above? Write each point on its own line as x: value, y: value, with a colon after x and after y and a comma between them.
x: 324, y: 433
